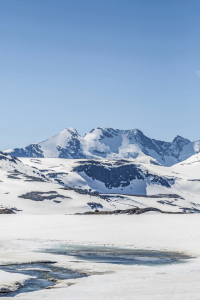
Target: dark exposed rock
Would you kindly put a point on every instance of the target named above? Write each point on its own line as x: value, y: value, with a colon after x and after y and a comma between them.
x: 99, y: 152
x: 167, y: 202
x: 111, y: 177
x: 55, y: 175
x: 107, y: 197
x: 59, y: 181
x: 36, y: 161
x: 192, y: 210
x: 33, y: 178
x: 108, y: 133
x: 32, y: 150
x: 118, y: 174
x: 5, y: 156
x: 131, y: 211
x: 86, y: 192
x: 195, y: 204
x: 193, y: 179
x: 74, y: 148
x: 72, y: 151
x: 164, y: 196
x: 14, y: 175
x: 15, y: 209
x: 41, y: 196
x: 95, y: 205
x: 161, y: 148
x: 174, y: 196
x: 158, y: 179
x: 6, y: 211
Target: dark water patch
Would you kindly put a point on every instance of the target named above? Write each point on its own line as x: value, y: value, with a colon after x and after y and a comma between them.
x: 119, y: 255
x: 45, y: 275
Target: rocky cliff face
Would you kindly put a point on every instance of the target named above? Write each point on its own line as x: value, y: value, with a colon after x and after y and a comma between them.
x: 119, y: 174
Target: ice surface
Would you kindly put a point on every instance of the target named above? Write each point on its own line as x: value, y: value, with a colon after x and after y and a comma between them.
x: 20, y: 235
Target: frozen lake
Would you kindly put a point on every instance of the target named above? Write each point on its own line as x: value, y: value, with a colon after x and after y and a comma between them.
x: 114, y: 255
x: 114, y: 271
x: 45, y: 275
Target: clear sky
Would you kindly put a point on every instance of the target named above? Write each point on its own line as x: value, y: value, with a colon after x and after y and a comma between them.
x: 93, y: 63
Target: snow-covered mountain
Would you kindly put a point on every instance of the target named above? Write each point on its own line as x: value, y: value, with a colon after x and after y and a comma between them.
x: 66, y: 144
x: 110, y: 144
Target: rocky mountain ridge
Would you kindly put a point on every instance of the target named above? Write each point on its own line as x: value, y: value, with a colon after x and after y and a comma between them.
x: 109, y: 143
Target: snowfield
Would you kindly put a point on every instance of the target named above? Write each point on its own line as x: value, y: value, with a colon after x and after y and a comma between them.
x: 60, y: 186
x: 44, y: 194
x: 22, y: 234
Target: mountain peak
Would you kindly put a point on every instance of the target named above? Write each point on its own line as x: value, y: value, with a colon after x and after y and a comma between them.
x: 71, y: 130
x: 138, y: 132
x: 180, y: 139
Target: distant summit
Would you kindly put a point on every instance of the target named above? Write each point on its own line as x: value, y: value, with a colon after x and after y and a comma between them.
x: 110, y: 143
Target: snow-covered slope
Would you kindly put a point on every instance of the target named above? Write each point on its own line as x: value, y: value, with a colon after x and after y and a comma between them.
x: 66, y: 144
x: 60, y: 186
x: 111, y: 144
x: 16, y: 168
x: 30, y: 189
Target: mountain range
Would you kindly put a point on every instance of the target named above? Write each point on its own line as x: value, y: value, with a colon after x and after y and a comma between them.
x: 109, y: 143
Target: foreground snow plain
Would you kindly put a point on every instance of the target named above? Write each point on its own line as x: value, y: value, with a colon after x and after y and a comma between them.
x: 21, y: 235
x: 45, y: 224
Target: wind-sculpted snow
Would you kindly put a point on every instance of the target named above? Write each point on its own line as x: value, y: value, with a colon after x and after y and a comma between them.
x: 111, y: 143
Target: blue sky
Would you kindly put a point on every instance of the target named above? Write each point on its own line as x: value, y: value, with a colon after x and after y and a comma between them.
x: 84, y: 64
